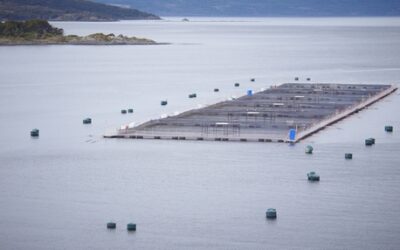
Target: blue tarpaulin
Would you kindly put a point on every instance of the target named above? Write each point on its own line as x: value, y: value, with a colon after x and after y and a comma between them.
x: 292, y: 134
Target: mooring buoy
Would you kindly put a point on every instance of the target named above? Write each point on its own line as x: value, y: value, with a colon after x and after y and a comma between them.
x: 271, y: 213
x: 131, y: 227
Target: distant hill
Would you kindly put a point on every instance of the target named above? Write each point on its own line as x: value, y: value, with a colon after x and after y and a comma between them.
x: 67, y: 10
x: 262, y: 8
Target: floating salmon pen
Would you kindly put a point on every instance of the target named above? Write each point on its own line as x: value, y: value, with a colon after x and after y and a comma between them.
x: 286, y: 113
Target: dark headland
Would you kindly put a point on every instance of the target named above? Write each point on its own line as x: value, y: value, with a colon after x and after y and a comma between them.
x: 40, y: 32
x: 68, y: 10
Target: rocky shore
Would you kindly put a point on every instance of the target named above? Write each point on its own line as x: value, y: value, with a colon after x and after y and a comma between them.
x: 40, y: 32
x: 93, y: 39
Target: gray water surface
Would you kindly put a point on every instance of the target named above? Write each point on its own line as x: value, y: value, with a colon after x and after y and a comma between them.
x: 60, y: 190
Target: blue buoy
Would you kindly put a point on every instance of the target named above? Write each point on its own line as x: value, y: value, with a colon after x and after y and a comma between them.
x: 249, y: 92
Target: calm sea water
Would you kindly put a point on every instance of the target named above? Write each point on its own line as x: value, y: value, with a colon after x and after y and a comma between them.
x: 59, y: 191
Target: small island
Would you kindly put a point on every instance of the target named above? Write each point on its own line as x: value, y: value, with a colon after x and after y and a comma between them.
x: 40, y: 32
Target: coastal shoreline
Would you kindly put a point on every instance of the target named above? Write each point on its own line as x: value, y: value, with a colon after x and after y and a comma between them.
x: 80, y: 44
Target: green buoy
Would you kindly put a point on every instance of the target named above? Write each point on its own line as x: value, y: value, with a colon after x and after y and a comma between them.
x: 35, y: 132
x: 111, y: 225
x: 348, y: 156
x: 87, y: 121
x: 130, y: 110
x: 389, y: 128
x: 309, y: 149
x: 271, y: 213
x: 131, y: 227
x: 369, y: 141
x: 312, y: 176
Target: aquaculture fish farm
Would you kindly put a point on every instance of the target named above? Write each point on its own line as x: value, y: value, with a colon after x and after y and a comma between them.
x: 265, y: 116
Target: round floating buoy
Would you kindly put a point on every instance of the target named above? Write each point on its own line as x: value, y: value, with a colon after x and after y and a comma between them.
x: 131, y: 227
x: 389, y: 128
x: 308, y: 79
x: 111, y: 225
x: 312, y: 176
x: 216, y: 90
x: 123, y: 111
x: 309, y: 149
x: 164, y: 103
x: 87, y: 121
x: 271, y: 213
x: 348, y: 156
x: 35, y: 132
x: 130, y: 110
x: 237, y: 84
x: 369, y: 141
x: 253, y: 79
x: 296, y: 78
